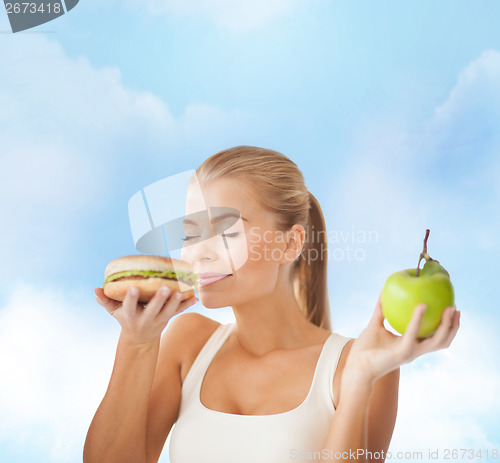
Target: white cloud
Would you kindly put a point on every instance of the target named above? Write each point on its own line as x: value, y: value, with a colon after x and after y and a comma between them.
x: 463, y: 131
x: 449, y: 398
x: 237, y: 16
x: 56, y: 366
x: 474, y: 103
x: 84, y: 114
x: 52, y: 96
x: 62, y: 124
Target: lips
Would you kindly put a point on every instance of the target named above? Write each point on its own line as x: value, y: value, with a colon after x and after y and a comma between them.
x: 207, y: 278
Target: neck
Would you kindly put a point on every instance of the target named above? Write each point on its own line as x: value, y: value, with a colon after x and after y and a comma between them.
x: 274, y: 321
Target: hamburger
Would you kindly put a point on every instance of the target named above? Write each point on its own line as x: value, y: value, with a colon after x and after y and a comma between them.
x: 149, y: 274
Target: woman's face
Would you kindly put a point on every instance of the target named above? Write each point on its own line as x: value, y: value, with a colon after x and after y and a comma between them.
x: 246, y: 246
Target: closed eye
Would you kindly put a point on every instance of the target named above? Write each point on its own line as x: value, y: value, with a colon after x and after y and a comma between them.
x: 187, y: 238
x: 227, y: 235
x: 230, y: 235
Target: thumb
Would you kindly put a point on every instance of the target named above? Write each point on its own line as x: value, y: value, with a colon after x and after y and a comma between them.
x: 378, y: 316
x: 109, y: 304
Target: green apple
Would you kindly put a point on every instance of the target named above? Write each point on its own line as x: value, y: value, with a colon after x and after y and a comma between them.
x: 405, y: 289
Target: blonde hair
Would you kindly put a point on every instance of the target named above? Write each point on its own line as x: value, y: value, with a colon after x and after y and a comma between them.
x: 280, y: 188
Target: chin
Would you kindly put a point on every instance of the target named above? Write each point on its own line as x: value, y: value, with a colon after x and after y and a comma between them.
x: 213, y: 306
x: 212, y: 302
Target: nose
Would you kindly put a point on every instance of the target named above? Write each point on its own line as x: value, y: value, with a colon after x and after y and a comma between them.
x: 209, y: 249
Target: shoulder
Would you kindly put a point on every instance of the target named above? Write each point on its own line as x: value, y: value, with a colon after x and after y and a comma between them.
x: 189, y: 322
x: 190, y: 329
x: 189, y: 332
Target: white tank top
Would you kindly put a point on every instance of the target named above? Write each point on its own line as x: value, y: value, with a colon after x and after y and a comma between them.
x: 202, y: 435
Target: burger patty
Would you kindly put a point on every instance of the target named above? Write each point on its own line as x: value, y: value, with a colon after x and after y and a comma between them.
x: 140, y: 277
x: 188, y: 278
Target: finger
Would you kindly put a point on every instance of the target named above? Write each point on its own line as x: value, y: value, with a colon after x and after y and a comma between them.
x: 445, y: 332
x: 411, y: 333
x: 443, y: 328
x: 158, y: 300
x: 446, y: 326
x: 131, y: 300
x: 172, y: 305
x: 109, y: 304
x: 99, y: 292
x: 378, y: 316
x: 454, y: 329
x: 186, y: 304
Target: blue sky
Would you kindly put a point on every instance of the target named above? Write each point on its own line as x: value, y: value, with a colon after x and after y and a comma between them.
x: 390, y: 109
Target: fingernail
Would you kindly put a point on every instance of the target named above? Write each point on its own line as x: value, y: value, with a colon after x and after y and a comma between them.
x: 134, y: 291
x: 164, y: 290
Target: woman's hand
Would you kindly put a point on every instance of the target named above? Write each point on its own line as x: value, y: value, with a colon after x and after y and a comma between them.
x: 144, y: 323
x: 377, y: 351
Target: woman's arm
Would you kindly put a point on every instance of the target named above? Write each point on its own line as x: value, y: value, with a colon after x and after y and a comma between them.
x: 364, y: 418
x: 348, y: 431
x: 382, y: 413
x: 374, y: 357
x: 118, y: 430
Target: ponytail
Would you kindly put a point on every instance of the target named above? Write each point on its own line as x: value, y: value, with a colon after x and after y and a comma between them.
x: 310, y: 284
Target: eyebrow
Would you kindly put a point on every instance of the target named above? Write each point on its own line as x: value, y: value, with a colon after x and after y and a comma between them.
x: 217, y: 219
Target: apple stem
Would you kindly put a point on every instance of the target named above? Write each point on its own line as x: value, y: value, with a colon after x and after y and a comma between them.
x: 423, y: 254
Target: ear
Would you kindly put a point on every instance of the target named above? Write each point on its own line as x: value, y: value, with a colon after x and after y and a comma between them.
x: 295, y: 238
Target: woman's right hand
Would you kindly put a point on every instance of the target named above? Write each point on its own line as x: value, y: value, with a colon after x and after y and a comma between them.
x: 144, y: 323
x: 377, y: 351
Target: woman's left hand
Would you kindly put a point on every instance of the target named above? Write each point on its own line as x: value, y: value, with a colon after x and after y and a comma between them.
x: 377, y: 351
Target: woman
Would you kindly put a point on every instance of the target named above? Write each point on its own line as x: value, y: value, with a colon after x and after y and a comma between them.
x: 275, y: 386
